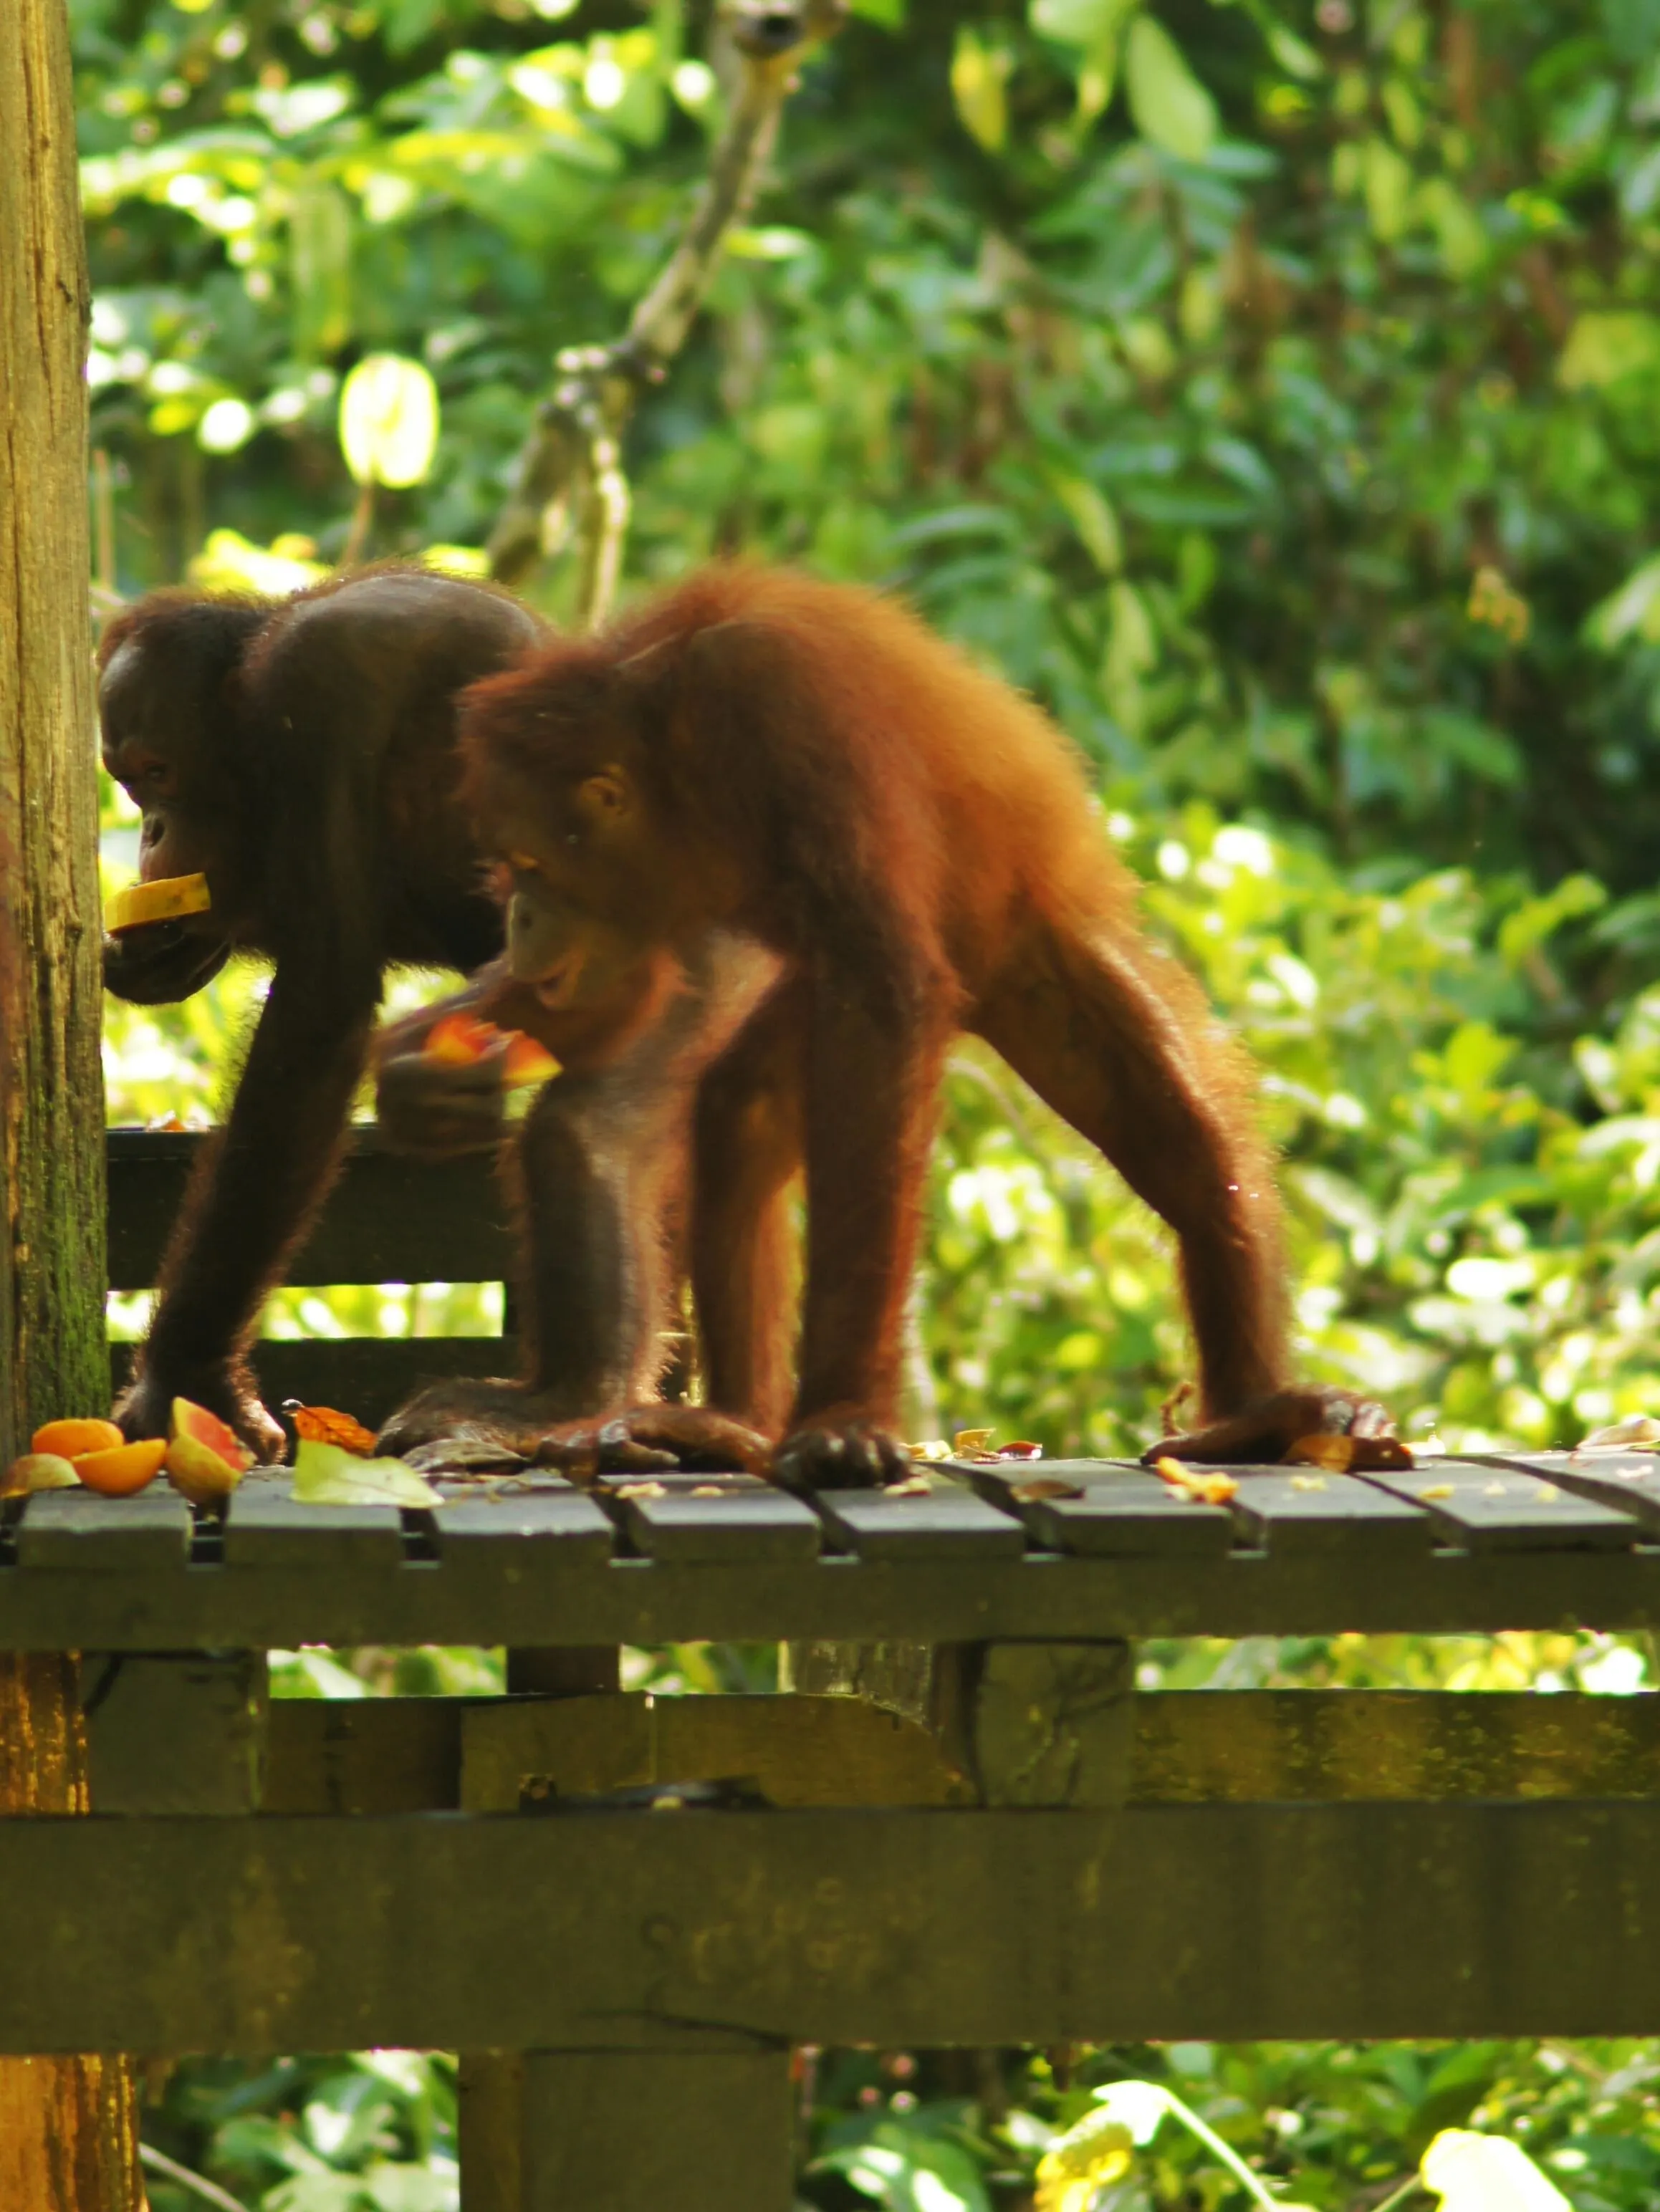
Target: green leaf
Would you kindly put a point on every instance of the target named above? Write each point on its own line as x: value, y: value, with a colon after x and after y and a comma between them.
x: 1604, y: 346
x: 1631, y: 611
x: 1091, y: 516
x: 325, y: 1474
x: 389, y: 421
x: 979, y: 75
x: 1386, y: 176
x: 1087, y: 23
x: 1169, y: 105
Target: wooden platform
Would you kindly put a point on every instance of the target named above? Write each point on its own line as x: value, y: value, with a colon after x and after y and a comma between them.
x: 623, y: 1909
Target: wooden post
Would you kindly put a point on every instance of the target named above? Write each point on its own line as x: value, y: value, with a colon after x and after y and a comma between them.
x: 67, y: 2126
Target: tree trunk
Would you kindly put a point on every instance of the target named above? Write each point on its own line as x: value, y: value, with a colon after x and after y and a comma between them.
x: 67, y: 2126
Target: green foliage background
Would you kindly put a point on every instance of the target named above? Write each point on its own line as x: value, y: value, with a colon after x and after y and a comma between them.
x: 1271, y: 389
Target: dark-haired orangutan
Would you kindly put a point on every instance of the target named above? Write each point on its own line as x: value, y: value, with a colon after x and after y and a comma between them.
x: 796, y: 788
x: 300, y: 754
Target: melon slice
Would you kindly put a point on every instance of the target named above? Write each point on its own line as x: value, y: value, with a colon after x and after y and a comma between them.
x: 163, y: 901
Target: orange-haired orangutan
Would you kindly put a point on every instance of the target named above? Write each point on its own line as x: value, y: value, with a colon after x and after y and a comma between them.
x: 796, y: 787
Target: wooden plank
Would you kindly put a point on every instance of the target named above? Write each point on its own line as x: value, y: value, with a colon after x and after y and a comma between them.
x: 527, y: 1594
x: 1122, y: 1512
x: 902, y: 1929
x: 1328, y: 1514
x: 794, y: 1750
x: 370, y: 1377
x: 265, y: 1529
x: 942, y: 1524
x: 175, y: 1733
x: 1211, y: 1747
x: 387, y: 1219
x: 757, y: 1525
x: 490, y: 1530
x: 77, y: 1532
x: 1629, y: 1482
x: 361, y: 1755
x: 1488, y: 1508
x: 614, y: 2132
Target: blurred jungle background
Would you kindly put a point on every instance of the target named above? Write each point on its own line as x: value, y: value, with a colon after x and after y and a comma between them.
x: 1273, y: 390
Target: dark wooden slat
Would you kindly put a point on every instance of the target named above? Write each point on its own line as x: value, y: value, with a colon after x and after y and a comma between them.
x: 77, y: 1532
x: 264, y: 1529
x: 1124, y: 1511
x: 1307, y: 1512
x: 387, y: 1220
x: 610, y: 2132
x: 751, y: 1524
x: 1629, y: 1482
x: 367, y: 1376
x: 556, y: 1520
x: 944, y: 1524
x: 525, y: 1594
x: 1488, y: 1508
x: 898, y: 1927
x: 358, y: 1755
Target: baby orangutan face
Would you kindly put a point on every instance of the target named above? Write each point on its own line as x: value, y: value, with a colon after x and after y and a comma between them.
x: 575, y: 935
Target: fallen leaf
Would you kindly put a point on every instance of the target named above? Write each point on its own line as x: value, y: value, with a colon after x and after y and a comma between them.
x: 1437, y: 1490
x: 1308, y: 1482
x: 638, y: 1490
x: 971, y: 1440
x: 1044, y: 1486
x: 322, y: 1425
x: 1637, y: 1433
x: 935, y: 1448
x: 914, y: 1485
x: 329, y: 1474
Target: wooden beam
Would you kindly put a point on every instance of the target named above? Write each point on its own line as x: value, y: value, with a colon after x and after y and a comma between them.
x: 519, y: 1593
x: 899, y: 1928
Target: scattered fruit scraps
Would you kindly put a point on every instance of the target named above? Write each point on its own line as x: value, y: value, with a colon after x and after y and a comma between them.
x: 166, y: 900
x: 1203, y: 1488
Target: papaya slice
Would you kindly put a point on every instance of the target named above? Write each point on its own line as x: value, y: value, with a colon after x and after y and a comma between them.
x: 163, y: 901
x: 462, y: 1040
x: 118, y: 1473
x: 205, y: 1459
x: 70, y: 1439
x: 458, y: 1040
x: 526, y: 1061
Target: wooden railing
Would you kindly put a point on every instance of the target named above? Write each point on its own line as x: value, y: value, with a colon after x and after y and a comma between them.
x: 387, y: 1220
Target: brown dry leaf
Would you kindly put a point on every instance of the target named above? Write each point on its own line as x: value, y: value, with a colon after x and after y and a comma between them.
x: 966, y: 1441
x: 322, y: 1425
x: 914, y: 1485
x: 1044, y: 1486
x: 1437, y: 1490
x: 639, y: 1490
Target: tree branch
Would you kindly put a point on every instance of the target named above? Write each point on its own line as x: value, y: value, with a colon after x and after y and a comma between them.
x: 568, y: 481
